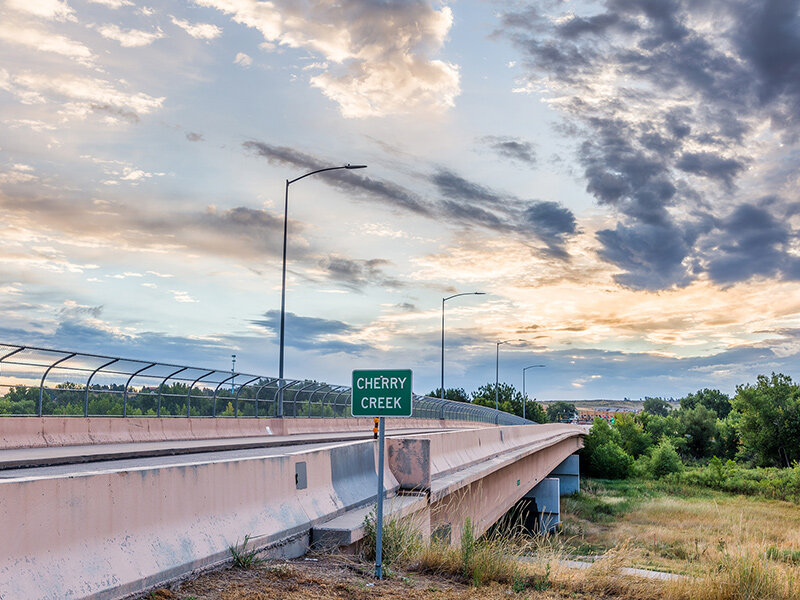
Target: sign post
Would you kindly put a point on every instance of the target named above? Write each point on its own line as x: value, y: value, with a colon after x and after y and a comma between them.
x: 381, y: 393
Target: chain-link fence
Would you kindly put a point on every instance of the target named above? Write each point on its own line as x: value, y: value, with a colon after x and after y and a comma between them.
x: 41, y: 381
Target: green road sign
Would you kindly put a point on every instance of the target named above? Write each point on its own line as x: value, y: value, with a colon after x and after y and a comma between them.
x: 381, y: 393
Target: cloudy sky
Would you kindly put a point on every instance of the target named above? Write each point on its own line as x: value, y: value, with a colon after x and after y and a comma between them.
x: 620, y: 177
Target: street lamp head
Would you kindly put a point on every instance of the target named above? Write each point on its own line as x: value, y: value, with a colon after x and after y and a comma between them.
x: 349, y: 166
x: 479, y: 293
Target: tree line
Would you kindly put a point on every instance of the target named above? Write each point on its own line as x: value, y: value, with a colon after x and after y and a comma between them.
x: 757, y: 428
x: 510, y: 400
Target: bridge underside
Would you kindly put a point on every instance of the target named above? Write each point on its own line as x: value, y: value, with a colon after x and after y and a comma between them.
x: 109, y: 533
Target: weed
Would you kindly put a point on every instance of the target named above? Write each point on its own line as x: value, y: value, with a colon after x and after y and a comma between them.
x: 788, y: 556
x: 401, y: 539
x: 242, y: 557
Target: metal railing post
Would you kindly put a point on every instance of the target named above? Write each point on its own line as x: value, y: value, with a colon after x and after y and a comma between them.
x: 127, y: 383
x: 189, y: 393
x: 216, y: 389
x: 161, y: 387
x: 41, y: 385
x: 239, y: 391
x: 88, y: 383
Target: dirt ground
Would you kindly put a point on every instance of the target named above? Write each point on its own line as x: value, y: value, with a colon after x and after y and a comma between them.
x: 333, y: 578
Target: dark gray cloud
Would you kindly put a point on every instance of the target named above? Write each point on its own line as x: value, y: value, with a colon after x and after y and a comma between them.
x: 351, y: 182
x: 472, y: 204
x: 751, y: 241
x: 451, y: 185
x: 312, y: 333
x: 710, y: 165
x: 115, y: 111
x: 194, y: 137
x: 552, y: 223
x: 676, y: 122
x: 464, y: 202
x: 358, y: 274
x: 513, y: 148
x: 651, y: 255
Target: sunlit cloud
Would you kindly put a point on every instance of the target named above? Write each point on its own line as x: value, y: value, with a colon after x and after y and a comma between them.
x: 200, y: 31
x: 57, y: 10
x: 129, y: 38
x: 382, y: 54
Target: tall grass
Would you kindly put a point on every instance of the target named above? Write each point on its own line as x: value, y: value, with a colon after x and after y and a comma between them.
x: 744, y: 576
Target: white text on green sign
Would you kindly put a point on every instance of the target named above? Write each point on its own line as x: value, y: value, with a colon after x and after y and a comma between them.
x: 381, y: 393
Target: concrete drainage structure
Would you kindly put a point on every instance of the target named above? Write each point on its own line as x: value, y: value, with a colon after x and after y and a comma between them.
x: 111, y: 533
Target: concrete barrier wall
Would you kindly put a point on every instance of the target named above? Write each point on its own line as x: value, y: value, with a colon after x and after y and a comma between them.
x: 39, y: 432
x: 106, y: 534
x: 416, y: 460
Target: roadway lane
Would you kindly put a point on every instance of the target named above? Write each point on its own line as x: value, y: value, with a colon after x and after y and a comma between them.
x: 74, y: 459
x: 126, y: 464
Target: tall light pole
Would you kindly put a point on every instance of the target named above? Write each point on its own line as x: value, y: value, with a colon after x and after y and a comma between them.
x: 283, y: 274
x: 443, y: 301
x: 497, y: 372
x: 233, y: 370
x: 524, y: 395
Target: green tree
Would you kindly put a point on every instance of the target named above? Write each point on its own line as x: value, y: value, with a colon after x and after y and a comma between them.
x: 602, y: 453
x: 769, y: 421
x: 658, y: 427
x: 656, y: 406
x: 507, y: 393
x: 635, y: 440
x: 700, y: 427
x: 561, y: 412
x: 455, y: 394
x: 535, y: 412
x: 714, y: 399
x: 727, y: 439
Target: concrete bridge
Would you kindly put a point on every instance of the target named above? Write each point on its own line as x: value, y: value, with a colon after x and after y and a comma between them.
x: 114, y: 528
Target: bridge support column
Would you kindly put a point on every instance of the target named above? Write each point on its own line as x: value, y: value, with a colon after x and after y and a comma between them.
x: 569, y: 476
x: 546, y: 498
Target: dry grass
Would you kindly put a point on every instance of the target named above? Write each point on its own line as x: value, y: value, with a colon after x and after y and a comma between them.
x: 689, y: 535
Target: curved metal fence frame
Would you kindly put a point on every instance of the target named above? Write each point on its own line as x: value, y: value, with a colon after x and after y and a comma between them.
x: 166, y: 389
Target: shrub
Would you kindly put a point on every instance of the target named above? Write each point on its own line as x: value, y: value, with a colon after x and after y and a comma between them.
x: 610, y: 461
x: 664, y: 460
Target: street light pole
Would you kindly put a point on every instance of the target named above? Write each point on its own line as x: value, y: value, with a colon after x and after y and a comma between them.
x: 524, y: 395
x: 443, y: 301
x: 497, y: 372
x: 233, y: 370
x: 283, y: 273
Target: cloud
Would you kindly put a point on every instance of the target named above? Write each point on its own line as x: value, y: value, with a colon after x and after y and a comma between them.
x: 513, y: 148
x: 678, y: 107
x: 751, y: 241
x: 130, y: 38
x: 239, y: 232
x: 381, y: 53
x: 243, y: 60
x: 45, y: 41
x: 194, y: 137
x: 199, y: 31
x: 473, y: 204
x: 113, y: 4
x: 358, y: 274
x: 56, y: 10
x: 465, y: 203
x: 350, y: 181
x: 313, y: 333
x: 89, y: 92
